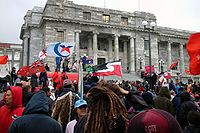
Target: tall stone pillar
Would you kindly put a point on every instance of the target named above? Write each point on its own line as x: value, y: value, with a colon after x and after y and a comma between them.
x: 125, y: 56
x: 169, y: 49
x: 77, y: 32
x: 95, y: 49
x: 116, y: 44
x: 132, y: 55
x: 89, y: 46
x: 182, y: 67
x: 25, y: 50
x: 110, y: 49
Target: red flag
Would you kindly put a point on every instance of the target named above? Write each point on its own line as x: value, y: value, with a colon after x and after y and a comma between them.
x: 107, y: 69
x: 36, y: 67
x: 174, y: 65
x: 32, y: 69
x: 24, y: 71
x: 167, y: 75
x: 3, y: 59
x: 147, y: 69
x: 193, y: 49
x: 187, y: 72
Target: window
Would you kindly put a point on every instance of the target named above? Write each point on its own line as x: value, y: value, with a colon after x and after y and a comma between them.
x: 146, y: 44
x: 1, y: 52
x: 86, y: 15
x: 60, y: 37
x: 106, y: 18
x: 124, y: 21
x: 121, y: 47
x: 17, y: 55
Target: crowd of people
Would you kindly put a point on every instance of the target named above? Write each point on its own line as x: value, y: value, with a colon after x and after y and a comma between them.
x: 40, y: 104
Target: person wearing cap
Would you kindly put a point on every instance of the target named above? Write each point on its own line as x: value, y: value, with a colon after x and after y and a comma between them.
x: 80, y: 110
x: 67, y: 87
x: 154, y: 121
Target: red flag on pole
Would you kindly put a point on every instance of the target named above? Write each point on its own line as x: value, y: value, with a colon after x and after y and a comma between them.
x: 147, y: 69
x: 32, y: 69
x: 174, y: 65
x: 193, y: 49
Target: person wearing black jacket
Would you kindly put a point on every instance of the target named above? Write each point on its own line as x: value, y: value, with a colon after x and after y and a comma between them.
x: 35, y: 118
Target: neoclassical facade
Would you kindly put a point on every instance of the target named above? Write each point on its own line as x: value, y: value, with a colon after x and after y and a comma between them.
x: 104, y: 34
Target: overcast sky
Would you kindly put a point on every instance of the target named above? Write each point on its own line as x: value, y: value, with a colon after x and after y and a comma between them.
x: 180, y: 14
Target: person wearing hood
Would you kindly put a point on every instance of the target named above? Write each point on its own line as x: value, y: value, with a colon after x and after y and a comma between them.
x: 12, y: 108
x: 163, y: 101
x: 35, y: 118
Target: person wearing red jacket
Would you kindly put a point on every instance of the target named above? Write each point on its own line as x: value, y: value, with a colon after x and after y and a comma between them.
x: 12, y: 108
x: 55, y: 78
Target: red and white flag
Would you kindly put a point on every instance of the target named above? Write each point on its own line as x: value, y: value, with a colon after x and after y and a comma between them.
x: 107, y: 69
x: 193, y: 49
x: 3, y: 66
x: 42, y: 54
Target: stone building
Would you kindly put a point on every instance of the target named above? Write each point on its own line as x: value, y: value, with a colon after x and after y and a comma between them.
x: 104, y: 34
x: 14, y: 52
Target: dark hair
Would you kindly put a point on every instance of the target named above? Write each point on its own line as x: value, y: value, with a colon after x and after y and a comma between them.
x: 185, y: 96
x: 194, y: 117
x: 104, y: 110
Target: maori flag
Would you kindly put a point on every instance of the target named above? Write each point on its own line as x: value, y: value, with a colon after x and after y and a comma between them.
x: 32, y: 69
x: 107, y: 69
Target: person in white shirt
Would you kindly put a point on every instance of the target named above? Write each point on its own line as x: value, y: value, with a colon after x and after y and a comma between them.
x: 80, y: 110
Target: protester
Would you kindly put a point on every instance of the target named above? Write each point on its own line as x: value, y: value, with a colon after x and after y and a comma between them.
x: 27, y: 94
x: 43, y: 79
x: 35, y: 118
x: 56, y: 79
x: 194, y: 122
x: 186, y: 105
x: 34, y: 81
x: 163, y: 101
x: 47, y: 67
x: 13, y: 75
x: 12, y: 108
x: 80, y: 110
x: 62, y: 109
x: 106, y: 113
x: 50, y: 101
x: 153, y: 121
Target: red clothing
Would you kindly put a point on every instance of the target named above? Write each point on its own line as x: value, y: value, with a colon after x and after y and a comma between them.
x: 55, y: 77
x: 6, y: 115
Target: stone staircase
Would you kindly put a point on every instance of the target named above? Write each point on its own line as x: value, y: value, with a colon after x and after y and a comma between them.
x: 125, y: 76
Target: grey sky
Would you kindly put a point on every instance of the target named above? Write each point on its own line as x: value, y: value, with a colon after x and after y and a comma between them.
x: 181, y: 14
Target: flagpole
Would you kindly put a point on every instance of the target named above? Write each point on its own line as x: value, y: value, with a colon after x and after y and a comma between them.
x: 80, y: 79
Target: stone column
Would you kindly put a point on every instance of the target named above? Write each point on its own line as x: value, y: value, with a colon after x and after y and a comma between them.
x: 125, y: 56
x: 169, y: 49
x: 89, y: 46
x: 95, y: 49
x: 116, y: 44
x: 110, y: 58
x: 132, y: 56
x: 182, y: 67
x: 77, y: 32
x: 25, y: 50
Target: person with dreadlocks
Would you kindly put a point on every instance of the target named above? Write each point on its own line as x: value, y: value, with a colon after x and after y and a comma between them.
x: 106, y: 112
